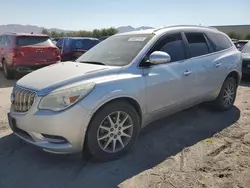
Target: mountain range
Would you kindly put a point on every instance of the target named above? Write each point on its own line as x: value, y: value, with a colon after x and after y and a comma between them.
x: 36, y: 29
x: 239, y: 29
x: 26, y: 28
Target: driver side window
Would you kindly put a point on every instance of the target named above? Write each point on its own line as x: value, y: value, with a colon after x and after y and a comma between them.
x: 173, y: 45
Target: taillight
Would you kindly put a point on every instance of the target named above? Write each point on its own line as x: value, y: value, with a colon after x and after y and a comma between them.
x: 58, y: 58
x: 16, y: 52
x: 58, y: 54
x: 57, y: 51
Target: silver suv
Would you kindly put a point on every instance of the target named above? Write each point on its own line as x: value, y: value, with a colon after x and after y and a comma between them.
x: 99, y: 103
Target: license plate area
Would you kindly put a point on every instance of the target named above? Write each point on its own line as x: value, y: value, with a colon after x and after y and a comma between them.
x: 15, y: 129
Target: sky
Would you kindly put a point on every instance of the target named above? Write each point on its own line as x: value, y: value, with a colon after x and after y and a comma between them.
x: 88, y: 15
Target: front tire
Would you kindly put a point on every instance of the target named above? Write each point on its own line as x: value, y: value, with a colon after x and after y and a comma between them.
x: 113, y: 131
x: 227, y: 95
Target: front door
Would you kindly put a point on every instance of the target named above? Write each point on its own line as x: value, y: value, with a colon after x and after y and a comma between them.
x: 169, y: 84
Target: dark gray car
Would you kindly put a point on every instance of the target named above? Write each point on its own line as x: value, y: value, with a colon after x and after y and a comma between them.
x: 246, y: 59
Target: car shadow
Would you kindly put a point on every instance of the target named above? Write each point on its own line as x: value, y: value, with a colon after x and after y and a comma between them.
x: 4, y: 83
x: 23, y: 165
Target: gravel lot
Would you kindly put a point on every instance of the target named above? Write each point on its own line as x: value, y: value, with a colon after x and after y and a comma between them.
x: 194, y: 148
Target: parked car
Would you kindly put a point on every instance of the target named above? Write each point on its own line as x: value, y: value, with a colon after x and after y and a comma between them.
x: 73, y: 47
x: 103, y: 38
x: 99, y: 103
x: 55, y: 39
x: 234, y: 40
x: 246, y: 59
x: 241, y: 43
x: 23, y: 52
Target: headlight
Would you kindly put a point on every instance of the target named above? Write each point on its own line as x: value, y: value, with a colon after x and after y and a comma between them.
x: 64, y: 97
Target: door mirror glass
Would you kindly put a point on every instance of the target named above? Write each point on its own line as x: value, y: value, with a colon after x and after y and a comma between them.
x: 158, y: 57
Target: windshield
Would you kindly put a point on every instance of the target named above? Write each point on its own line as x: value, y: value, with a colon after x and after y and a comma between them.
x: 117, y: 50
x: 246, y: 48
x: 83, y: 44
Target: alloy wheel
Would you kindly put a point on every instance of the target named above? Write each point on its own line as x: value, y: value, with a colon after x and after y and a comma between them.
x: 228, y: 94
x: 115, y: 132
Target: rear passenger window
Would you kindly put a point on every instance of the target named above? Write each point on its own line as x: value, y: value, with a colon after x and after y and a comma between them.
x: 197, y: 44
x: 174, y: 46
x: 1, y: 38
x: 8, y: 41
x: 219, y: 41
x: 3, y: 41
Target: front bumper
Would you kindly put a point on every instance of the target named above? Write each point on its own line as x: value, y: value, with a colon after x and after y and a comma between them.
x: 56, y: 132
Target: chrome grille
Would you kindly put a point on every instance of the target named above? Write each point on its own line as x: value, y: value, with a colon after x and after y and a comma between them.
x: 23, y: 99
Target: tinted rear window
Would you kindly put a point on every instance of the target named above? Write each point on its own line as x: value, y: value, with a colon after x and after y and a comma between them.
x: 197, y: 44
x: 83, y: 44
x: 219, y: 41
x: 33, y: 41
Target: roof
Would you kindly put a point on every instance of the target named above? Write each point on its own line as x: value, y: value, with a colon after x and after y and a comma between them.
x: 168, y: 28
x: 25, y: 34
x: 90, y: 38
x: 146, y: 31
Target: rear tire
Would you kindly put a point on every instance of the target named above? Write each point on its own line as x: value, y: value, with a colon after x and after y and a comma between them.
x: 227, y: 95
x: 7, y: 72
x: 119, y: 135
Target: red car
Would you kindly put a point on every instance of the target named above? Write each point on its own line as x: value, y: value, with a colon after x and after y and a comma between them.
x: 23, y: 53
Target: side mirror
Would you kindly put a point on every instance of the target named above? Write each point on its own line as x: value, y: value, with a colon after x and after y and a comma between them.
x: 158, y: 57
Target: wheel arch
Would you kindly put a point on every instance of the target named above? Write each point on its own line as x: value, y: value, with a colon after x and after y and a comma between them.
x: 234, y: 74
x: 127, y: 99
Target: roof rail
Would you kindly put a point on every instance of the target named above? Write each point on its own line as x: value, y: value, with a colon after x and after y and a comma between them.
x: 199, y: 26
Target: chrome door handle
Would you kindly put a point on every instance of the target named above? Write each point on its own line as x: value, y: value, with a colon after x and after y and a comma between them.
x: 186, y: 73
x: 217, y: 65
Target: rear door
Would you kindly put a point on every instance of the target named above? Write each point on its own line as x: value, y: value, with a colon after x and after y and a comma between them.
x: 5, y: 44
x: 223, y: 58
x: 38, y: 50
x: 7, y: 49
x: 202, y: 63
x: 1, y: 45
x: 1, y: 50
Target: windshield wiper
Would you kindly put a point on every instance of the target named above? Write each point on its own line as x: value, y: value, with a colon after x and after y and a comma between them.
x: 92, y: 62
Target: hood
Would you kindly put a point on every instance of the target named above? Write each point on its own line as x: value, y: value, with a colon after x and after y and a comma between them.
x: 246, y: 56
x: 60, y: 74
